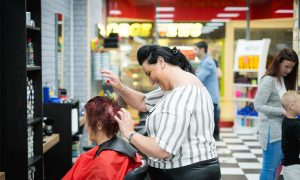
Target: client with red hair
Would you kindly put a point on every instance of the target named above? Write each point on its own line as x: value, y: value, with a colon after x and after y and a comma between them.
x: 113, y: 157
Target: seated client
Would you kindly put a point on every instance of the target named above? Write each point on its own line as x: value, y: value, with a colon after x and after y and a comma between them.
x: 113, y: 157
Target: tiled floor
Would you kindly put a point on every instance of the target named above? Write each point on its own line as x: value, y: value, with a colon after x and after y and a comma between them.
x: 240, y: 155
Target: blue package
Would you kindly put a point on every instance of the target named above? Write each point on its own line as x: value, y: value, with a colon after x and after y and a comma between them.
x: 54, y: 100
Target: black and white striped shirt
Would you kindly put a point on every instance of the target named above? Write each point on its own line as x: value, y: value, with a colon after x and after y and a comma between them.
x: 182, y: 122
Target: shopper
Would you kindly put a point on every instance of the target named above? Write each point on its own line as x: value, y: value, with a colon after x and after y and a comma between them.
x: 219, y: 72
x: 113, y: 157
x: 279, y: 77
x: 291, y: 136
x: 180, y: 143
x: 207, y: 73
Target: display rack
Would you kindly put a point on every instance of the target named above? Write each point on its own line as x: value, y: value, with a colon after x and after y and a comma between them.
x: 21, y: 114
x: 249, y: 66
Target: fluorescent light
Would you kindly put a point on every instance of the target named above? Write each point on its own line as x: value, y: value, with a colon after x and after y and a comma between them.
x: 206, y: 32
x: 214, y: 24
x: 210, y: 27
x: 164, y: 20
x: 164, y: 15
x: 232, y: 8
x: 219, y: 20
x: 115, y: 12
x: 228, y: 15
x: 284, y: 11
x: 165, y: 9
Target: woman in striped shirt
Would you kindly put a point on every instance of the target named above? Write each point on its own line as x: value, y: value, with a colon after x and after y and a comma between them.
x: 180, y: 143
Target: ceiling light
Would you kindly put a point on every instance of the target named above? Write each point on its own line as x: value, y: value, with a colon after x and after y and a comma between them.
x: 164, y: 15
x: 284, y: 11
x: 228, y: 15
x: 219, y: 20
x: 232, y: 8
x: 206, y: 32
x: 164, y: 20
x: 214, y: 24
x: 210, y: 27
x: 165, y: 9
x: 115, y: 12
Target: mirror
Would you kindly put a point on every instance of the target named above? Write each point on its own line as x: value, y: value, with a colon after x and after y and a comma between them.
x: 59, y: 50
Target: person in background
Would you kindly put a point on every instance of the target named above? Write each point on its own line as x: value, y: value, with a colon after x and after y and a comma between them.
x: 218, y: 71
x: 207, y: 73
x: 113, y: 157
x: 180, y: 143
x: 280, y: 76
x: 291, y: 136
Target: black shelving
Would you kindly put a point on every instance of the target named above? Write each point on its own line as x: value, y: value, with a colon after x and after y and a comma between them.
x: 14, y: 72
x: 58, y: 161
x: 33, y: 68
x: 33, y: 28
x: 33, y: 160
x: 33, y: 121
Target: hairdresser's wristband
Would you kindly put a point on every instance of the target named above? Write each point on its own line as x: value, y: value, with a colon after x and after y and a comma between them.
x: 131, y: 136
x: 124, y: 89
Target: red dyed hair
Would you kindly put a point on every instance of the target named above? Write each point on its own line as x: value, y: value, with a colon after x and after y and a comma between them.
x: 100, y: 111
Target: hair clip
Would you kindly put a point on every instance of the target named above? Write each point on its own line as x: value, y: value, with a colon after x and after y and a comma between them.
x: 150, y: 56
x: 175, y: 51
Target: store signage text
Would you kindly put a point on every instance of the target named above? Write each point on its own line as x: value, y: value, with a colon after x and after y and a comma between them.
x: 126, y: 30
x: 168, y: 30
x: 181, y: 30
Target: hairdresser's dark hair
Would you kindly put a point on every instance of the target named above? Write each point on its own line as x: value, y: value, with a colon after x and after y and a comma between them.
x: 171, y: 56
x: 202, y: 44
x: 290, y: 80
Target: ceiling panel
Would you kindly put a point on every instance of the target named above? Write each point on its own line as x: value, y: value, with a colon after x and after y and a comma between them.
x: 198, y: 10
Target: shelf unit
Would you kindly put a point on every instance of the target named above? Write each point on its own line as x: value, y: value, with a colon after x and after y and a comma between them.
x: 249, y: 66
x: 14, y: 120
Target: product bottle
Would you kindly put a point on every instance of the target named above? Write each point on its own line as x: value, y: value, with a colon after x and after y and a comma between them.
x: 30, y: 52
x: 46, y: 94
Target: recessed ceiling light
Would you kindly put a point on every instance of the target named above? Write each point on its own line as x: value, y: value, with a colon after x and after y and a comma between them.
x: 210, y: 27
x: 206, y: 31
x: 214, y: 24
x: 228, y: 15
x: 164, y: 15
x: 165, y: 9
x: 232, y: 8
x: 219, y: 20
x: 284, y: 11
x: 115, y: 12
x: 164, y: 20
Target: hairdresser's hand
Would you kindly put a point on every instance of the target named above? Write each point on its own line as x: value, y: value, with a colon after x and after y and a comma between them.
x: 114, y: 80
x: 125, y: 122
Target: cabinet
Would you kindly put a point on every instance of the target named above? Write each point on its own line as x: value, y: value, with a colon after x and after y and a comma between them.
x: 58, y: 160
x: 21, y: 101
x: 249, y: 66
